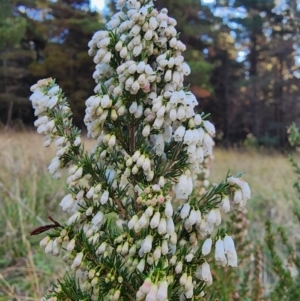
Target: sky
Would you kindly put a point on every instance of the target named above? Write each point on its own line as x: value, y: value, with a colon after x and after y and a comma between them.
x: 97, y: 4
x: 100, y: 4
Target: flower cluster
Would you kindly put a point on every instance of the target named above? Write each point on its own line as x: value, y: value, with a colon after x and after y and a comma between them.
x: 136, y: 228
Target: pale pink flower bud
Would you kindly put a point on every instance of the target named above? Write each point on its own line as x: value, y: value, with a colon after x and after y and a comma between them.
x: 44, y: 242
x: 145, y: 288
x: 151, y: 296
x: 140, y: 295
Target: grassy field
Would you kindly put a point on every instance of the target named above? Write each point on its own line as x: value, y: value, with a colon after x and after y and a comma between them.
x: 28, y: 195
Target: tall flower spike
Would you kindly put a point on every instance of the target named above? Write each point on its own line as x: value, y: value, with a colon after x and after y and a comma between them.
x: 150, y: 148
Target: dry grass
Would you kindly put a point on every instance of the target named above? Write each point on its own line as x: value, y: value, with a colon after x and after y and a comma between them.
x: 28, y: 195
x: 271, y: 179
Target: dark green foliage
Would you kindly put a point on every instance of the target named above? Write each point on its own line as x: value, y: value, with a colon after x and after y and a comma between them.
x: 41, y: 39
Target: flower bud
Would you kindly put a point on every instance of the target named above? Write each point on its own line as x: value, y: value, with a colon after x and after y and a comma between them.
x: 78, y: 259
x: 155, y: 220
x: 178, y: 268
x: 44, y: 242
x: 145, y: 288
x: 162, y: 293
x: 146, y: 130
x: 147, y: 244
x: 206, y: 247
x: 183, y: 279
x: 185, y: 210
x: 71, y: 245
x: 141, y: 266
x: 157, y: 253
x: 164, y: 247
x: 162, y: 227
x: 132, y: 222
x: 132, y: 250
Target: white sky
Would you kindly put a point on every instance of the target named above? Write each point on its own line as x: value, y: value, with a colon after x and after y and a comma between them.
x: 100, y: 4
x: 97, y: 4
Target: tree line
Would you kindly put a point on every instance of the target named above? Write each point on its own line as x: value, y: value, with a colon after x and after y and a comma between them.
x: 244, y: 56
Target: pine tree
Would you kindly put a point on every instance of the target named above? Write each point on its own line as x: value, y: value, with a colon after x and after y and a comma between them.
x: 70, y: 25
x: 13, y: 91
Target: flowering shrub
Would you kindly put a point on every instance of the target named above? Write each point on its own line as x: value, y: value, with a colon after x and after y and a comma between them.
x: 136, y: 231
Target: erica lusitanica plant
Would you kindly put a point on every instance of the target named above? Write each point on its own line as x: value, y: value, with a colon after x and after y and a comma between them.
x: 137, y: 229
